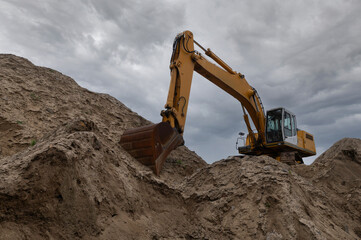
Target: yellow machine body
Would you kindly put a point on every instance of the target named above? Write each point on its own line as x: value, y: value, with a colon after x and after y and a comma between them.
x: 184, y: 61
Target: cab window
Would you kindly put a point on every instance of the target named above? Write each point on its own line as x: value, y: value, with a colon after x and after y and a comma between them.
x: 287, y: 125
x: 294, y: 130
x: 274, y: 126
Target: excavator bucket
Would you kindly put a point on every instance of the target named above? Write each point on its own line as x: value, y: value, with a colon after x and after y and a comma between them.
x: 151, y: 144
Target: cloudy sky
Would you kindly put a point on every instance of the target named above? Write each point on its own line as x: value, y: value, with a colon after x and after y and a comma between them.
x: 303, y: 55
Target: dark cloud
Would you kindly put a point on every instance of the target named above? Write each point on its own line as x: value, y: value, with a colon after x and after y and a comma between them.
x: 303, y: 55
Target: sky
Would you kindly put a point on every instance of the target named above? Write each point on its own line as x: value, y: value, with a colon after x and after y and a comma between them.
x: 304, y: 55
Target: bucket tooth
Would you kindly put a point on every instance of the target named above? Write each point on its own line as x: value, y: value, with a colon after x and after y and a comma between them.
x: 151, y: 144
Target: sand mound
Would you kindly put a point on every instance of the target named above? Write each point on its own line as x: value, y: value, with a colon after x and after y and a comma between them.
x: 63, y: 175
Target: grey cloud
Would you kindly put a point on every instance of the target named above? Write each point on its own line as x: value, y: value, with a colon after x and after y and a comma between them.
x: 141, y: 23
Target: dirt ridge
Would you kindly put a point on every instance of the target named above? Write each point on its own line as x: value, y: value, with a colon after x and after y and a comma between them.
x: 63, y: 175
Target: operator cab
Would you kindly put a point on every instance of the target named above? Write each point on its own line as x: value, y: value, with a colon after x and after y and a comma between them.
x: 281, y: 126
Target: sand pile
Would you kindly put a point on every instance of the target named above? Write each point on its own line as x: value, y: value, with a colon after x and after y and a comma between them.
x: 63, y: 175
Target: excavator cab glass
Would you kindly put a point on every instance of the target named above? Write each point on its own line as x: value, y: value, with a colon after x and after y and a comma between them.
x: 274, y: 125
x: 281, y: 126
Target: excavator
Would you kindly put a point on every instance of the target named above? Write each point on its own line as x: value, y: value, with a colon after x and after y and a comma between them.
x: 275, y: 134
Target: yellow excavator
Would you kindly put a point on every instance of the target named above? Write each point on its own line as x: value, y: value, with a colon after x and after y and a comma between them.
x: 276, y: 132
